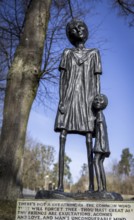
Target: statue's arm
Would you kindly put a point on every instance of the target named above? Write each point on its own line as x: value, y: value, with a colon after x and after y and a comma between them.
x: 61, y: 103
x: 97, y: 83
x: 63, y: 80
x: 100, y: 124
x: 98, y: 70
x: 101, y: 134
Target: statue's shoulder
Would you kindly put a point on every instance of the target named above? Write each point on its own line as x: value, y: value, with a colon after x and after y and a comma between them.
x: 93, y: 50
x: 66, y: 51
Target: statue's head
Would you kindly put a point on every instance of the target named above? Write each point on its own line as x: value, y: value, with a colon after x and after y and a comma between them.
x: 77, y: 31
x: 100, y: 102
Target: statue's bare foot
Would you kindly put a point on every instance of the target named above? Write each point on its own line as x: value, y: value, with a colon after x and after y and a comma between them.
x: 98, y: 190
x: 60, y: 189
x: 91, y: 190
x: 104, y: 190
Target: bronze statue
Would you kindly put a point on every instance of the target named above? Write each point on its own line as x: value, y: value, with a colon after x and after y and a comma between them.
x: 80, y: 70
x: 101, y: 148
x: 80, y: 112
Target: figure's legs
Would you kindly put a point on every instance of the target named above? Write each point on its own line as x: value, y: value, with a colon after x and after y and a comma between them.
x: 61, y: 159
x: 98, y: 170
x: 103, y: 176
x: 90, y: 161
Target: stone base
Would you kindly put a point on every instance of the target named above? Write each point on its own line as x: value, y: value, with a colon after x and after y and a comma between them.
x: 109, y: 196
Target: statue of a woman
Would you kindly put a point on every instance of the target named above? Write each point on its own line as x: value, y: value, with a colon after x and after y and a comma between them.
x: 80, y: 70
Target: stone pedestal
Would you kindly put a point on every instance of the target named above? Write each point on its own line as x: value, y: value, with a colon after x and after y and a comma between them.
x: 103, y: 195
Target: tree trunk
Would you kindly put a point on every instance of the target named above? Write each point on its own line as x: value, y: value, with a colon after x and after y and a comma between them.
x: 22, y: 85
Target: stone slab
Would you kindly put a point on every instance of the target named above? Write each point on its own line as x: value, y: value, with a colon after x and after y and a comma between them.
x: 74, y: 210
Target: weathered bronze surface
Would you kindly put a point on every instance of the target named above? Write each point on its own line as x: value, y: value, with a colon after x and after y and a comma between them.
x: 80, y: 70
x: 80, y: 111
x: 101, y: 148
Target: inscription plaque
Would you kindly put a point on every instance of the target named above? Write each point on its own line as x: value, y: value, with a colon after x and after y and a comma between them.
x: 74, y: 210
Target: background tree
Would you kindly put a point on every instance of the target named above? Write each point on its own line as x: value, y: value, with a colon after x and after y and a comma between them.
x: 84, y: 170
x: 23, y: 24
x: 12, y: 18
x: 21, y: 88
x: 37, y: 164
x: 126, y: 163
x: 67, y: 174
x: 31, y: 168
x: 82, y: 184
x: 22, y: 36
x: 121, y: 177
x: 126, y: 9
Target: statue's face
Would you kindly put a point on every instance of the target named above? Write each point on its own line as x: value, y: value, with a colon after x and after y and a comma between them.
x: 100, y: 102
x: 77, y: 32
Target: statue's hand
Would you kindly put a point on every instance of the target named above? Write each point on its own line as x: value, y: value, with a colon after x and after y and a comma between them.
x: 61, y: 108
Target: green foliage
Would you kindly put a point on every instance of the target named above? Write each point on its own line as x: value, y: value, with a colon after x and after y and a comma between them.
x: 120, y: 179
x: 84, y: 170
x: 67, y: 173
x: 39, y: 168
x: 38, y: 161
x: 125, y: 165
x: 55, y: 174
x: 7, y: 210
x: 122, y: 186
x: 82, y: 184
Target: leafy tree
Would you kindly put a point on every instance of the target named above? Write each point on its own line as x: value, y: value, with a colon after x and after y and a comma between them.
x: 54, y: 174
x: 115, y: 168
x: 82, y: 184
x: 37, y: 164
x: 67, y: 173
x: 125, y: 164
x: 31, y: 169
x: 84, y: 170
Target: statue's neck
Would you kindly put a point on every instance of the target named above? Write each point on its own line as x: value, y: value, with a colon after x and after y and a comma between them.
x: 80, y: 45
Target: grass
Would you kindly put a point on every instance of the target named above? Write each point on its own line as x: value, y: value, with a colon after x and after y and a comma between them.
x: 7, y: 210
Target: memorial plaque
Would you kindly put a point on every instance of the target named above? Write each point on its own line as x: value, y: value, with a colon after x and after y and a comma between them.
x: 74, y: 210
